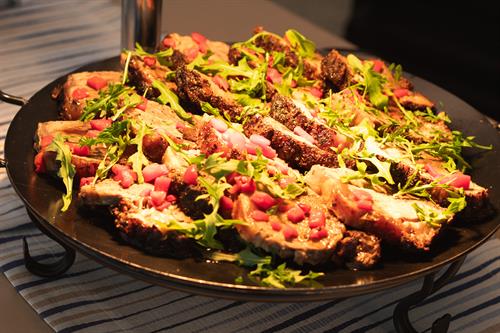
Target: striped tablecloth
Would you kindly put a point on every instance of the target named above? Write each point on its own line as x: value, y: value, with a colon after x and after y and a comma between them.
x: 43, y: 40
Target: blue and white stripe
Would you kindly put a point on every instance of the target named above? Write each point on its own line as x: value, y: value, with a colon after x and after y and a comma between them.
x: 45, y: 39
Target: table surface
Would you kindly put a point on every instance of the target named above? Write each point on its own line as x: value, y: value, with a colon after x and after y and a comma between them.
x: 179, y: 16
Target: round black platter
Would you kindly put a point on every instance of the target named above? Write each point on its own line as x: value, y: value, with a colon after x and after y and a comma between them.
x: 86, y: 234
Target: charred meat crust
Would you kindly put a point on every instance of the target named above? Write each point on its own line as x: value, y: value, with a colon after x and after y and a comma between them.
x: 297, y: 153
x: 284, y: 111
x: 359, y: 250
x: 186, y: 198
x: 149, y: 238
x: 336, y: 71
x: 209, y: 143
x: 197, y: 88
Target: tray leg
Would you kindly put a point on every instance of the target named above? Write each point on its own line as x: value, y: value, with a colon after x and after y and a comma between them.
x: 401, y: 319
x: 51, y: 269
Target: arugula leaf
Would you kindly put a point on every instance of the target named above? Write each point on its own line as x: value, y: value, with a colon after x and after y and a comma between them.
x: 158, y: 55
x: 168, y: 97
x: 138, y: 159
x: 304, y: 46
x: 111, y: 102
x: 245, y: 258
x: 125, y: 70
x: 66, y: 169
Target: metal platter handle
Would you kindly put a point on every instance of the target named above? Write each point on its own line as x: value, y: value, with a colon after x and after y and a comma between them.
x: 11, y: 99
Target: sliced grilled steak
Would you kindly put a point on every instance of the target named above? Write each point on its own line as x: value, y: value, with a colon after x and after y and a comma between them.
x: 359, y: 250
x: 110, y: 193
x: 393, y: 220
x: 293, y: 114
x: 297, y: 241
x: 298, y: 152
x: 79, y: 88
x: 141, y: 75
x: 197, y: 88
x: 336, y: 71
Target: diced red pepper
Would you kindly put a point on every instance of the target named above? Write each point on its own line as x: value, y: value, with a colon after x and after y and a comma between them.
x: 163, y: 206
x: 378, y: 65
x: 201, y: 41
x: 100, y: 124
x: 143, y: 105
x: 401, y: 92
x: 80, y: 93
x: 219, y: 125
x: 262, y: 200
x: 191, y: 175
x: 276, y: 225
x: 79, y: 150
x: 158, y: 197
x: 169, y: 42
x: 274, y: 76
x: 221, y: 82
x: 124, y: 175
x: 296, y: 215
x: 317, y: 235
x: 317, y: 218
x: 226, y: 203
x: 97, y: 82
x: 149, y: 61
x: 46, y: 140
x: 162, y: 183
x: 86, y: 181
x: 290, y: 233
x: 260, y: 216
x: 153, y: 171
x: 39, y: 163
x: 285, y: 207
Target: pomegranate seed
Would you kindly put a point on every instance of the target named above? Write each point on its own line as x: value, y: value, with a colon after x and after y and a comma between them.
x: 169, y: 42
x: 231, y: 178
x: 80, y: 93
x: 162, y: 183
x: 290, y: 233
x: 226, y: 203
x: 401, y: 92
x: 259, y: 216
x: 284, y: 182
x: 163, y: 206
x: 221, y: 82
x: 127, y: 179
x: 97, y: 82
x: 285, y: 207
x: 158, y: 197
x: 219, y: 125
x: 262, y: 200
x: 100, y: 124
x: 198, y: 38
x: 149, y: 61
x: 143, y: 105
x: 296, y: 215
x: 171, y: 198
x: 276, y: 225
x: 86, y: 181
x: 191, y: 175
x: 317, y: 235
x: 39, y: 163
x: 247, y: 184
x: 305, y: 208
x: 153, y: 171
x: 259, y: 140
x: 316, y: 218
x: 236, y: 189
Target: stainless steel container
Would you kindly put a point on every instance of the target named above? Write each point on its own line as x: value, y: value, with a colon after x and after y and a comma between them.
x: 141, y: 23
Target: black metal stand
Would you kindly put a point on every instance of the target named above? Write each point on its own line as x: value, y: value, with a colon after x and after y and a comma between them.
x: 52, y: 269
x: 430, y: 286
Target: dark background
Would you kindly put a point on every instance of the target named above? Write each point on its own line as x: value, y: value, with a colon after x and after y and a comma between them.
x: 454, y: 44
